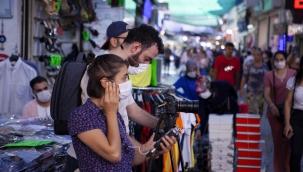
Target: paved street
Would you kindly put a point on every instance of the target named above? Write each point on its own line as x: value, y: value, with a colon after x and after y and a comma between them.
x: 265, y: 127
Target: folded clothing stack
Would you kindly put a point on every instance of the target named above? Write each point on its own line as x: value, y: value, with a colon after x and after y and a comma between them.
x: 221, y: 141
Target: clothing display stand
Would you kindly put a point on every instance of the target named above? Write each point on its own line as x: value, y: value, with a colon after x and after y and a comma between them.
x: 162, y: 103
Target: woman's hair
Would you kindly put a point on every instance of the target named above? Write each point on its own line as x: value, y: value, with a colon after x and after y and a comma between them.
x: 283, y: 53
x: 299, y: 75
x: 291, y: 58
x: 107, y: 66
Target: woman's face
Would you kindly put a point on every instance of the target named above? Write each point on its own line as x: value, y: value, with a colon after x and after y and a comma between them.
x: 265, y: 57
x: 280, y: 58
x: 122, y: 75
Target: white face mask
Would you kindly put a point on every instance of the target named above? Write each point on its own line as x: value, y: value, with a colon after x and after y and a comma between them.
x: 206, y: 94
x: 136, y: 70
x: 44, y: 96
x: 279, y: 65
x: 125, y: 89
x: 298, y: 60
x: 192, y: 74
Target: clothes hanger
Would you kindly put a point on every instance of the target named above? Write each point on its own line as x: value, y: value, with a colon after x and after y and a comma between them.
x: 15, y: 55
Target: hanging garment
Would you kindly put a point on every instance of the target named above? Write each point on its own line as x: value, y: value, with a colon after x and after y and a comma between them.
x: 15, y: 90
x: 188, y: 120
x: 32, y: 64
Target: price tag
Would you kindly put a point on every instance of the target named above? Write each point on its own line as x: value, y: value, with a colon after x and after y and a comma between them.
x: 55, y: 60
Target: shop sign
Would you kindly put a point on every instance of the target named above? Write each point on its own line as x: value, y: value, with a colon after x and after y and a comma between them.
x: 3, y: 57
x: 279, y: 29
x: 298, y: 4
x: 294, y: 4
x: 295, y: 29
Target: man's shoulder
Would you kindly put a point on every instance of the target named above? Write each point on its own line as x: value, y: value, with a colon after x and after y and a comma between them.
x: 31, y: 103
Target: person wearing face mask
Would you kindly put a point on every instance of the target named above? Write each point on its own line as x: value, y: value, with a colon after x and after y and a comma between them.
x: 140, y: 46
x: 218, y: 97
x: 40, y: 106
x: 187, y: 83
x: 267, y: 60
x: 293, y: 61
x: 275, y: 94
x: 97, y: 129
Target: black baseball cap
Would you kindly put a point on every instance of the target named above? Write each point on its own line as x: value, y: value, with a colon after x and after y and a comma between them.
x: 114, y: 29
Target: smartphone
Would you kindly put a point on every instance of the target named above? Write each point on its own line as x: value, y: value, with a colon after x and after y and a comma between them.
x: 290, y: 135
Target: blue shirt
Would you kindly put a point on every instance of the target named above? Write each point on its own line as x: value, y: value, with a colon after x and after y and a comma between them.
x: 189, y: 87
x: 88, y: 117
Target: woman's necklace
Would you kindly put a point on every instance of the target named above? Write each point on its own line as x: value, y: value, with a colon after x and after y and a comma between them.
x: 281, y: 75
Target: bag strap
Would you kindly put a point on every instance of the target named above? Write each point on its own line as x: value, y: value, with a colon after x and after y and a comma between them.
x: 81, y: 56
x: 293, y: 95
x: 273, y: 74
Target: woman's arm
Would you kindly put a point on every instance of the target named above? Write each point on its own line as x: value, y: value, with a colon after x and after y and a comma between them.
x: 272, y: 107
x: 108, y: 147
x: 287, y: 106
x: 178, y: 85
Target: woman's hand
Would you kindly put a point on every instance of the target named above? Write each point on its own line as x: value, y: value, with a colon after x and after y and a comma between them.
x: 274, y: 111
x: 287, y: 130
x: 168, y: 143
x: 198, y: 135
x: 111, y: 98
x: 241, y: 92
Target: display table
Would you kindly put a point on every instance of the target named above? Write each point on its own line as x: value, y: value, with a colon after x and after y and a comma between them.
x: 31, y: 145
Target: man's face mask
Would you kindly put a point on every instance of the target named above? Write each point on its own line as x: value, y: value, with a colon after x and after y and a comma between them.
x: 132, y: 69
x: 44, y: 96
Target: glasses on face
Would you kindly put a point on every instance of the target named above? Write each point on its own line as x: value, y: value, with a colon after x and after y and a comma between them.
x: 120, y: 37
x: 124, y: 145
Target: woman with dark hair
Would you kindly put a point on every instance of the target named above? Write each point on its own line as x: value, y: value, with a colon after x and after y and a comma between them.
x: 97, y: 129
x: 266, y: 58
x: 275, y: 94
x: 293, y: 111
x: 293, y: 61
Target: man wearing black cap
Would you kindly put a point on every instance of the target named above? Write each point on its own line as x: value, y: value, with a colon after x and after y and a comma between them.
x: 138, y: 46
x: 116, y: 33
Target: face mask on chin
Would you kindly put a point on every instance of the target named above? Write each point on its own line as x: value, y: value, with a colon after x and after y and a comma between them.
x: 137, y: 70
x: 131, y: 68
x: 44, y: 96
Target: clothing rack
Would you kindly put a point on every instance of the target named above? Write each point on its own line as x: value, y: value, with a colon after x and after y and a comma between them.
x: 159, y: 88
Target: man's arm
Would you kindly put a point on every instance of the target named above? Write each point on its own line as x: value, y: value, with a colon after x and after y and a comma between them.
x: 215, y: 74
x: 140, y: 116
x: 237, y: 80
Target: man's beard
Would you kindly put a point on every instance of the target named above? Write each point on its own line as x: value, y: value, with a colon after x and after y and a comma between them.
x: 133, y: 60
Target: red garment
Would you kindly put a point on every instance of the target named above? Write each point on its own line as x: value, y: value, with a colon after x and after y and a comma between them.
x: 145, y: 134
x: 227, y: 68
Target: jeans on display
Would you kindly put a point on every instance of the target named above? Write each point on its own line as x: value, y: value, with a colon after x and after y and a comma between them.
x: 296, y: 121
